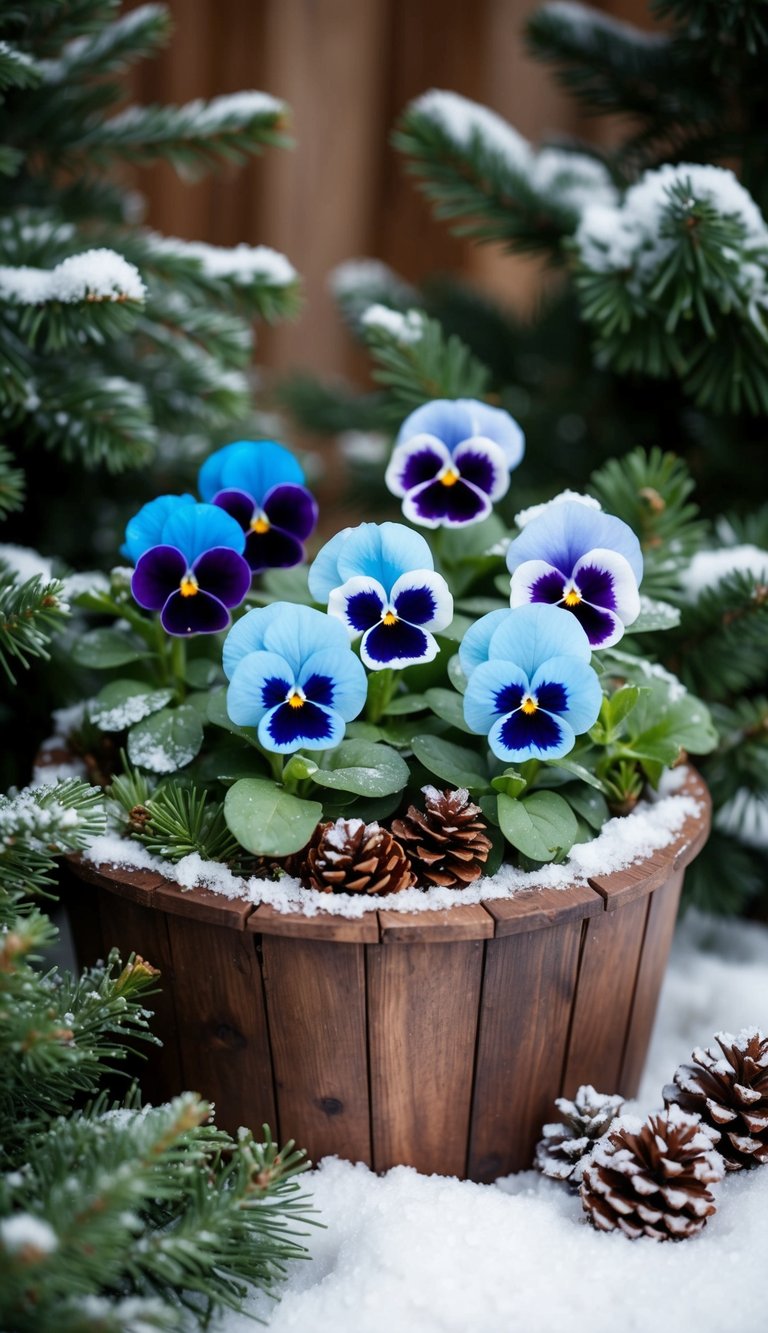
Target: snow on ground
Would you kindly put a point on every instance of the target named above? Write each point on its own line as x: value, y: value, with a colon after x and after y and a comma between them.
x: 421, y: 1254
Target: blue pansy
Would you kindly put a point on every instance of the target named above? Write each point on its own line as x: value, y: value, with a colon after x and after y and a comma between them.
x: 452, y: 460
x: 261, y: 485
x: 586, y: 561
x: 379, y: 580
x: 189, y: 564
x: 531, y: 689
x: 293, y: 676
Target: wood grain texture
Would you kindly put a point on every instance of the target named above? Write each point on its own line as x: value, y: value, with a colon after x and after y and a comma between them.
x: 423, y: 1004
x: 539, y: 909
x: 203, y: 905
x: 662, y: 914
x: 528, y: 990
x: 315, y: 992
x: 137, y: 886
x: 610, y: 954
x: 266, y: 920
x: 469, y: 921
x: 223, y: 1038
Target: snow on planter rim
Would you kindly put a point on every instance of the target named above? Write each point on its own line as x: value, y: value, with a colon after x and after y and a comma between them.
x: 621, y: 842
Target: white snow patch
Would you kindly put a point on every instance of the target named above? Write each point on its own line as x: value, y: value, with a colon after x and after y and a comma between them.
x: 584, y: 19
x: 745, y: 817
x: 465, y: 121
x: 708, y: 568
x: 535, y: 511
x: 94, y: 275
x: 362, y: 446
x: 239, y: 263
x: 228, y: 112
x: 25, y: 562
x: 404, y: 328
x: 22, y: 1231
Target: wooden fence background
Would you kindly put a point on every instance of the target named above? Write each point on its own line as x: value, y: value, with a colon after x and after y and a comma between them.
x: 347, y: 68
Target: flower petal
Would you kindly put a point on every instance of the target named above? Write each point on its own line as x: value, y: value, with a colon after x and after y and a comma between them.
x: 157, y: 574
x: 292, y: 508
x: 529, y: 635
x: 484, y: 465
x: 224, y: 573
x: 196, y: 528
x: 454, y: 420
x: 249, y: 465
x: 603, y: 628
x: 540, y: 735
x: 359, y: 604
x: 435, y: 505
x: 324, y: 571
x: 300, y: 631
x: 537, y: 581
x: 273, y: 549
x: 606, y: 579
x: 415, y: 462
x: 398, y: 645
x: 145, y: 529
x: 565, y: 532
x: 310, y: 727
x: 488, y: 694
x: 238, y: 504
x: 247, y: 635
x: 383, y: 551
x: 474, y: 646
x: 348, y: 681
x: 571, y: 688
x: 201, y: 614
x: 423, y: 598
x: 260, y: 682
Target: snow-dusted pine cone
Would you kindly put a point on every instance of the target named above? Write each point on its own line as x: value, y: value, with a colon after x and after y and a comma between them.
x: 653, y: 1179
x: 567, y: 1144
x: 349, y: 856
x: 446, y: 842
x: 728, y: 1088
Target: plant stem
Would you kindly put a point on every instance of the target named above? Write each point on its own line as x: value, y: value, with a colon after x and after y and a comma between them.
x: 381, y: 687
x: 178, y: 665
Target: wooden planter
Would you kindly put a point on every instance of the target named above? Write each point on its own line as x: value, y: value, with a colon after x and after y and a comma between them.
x: 436, y: 1039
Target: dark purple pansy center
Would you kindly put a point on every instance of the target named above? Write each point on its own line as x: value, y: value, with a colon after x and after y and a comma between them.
x: 589, y: 595
x: 192, y: 598
x: 299, y: 713
x: 455, y: 491
x: 276, y: 527
x: 528, y: 715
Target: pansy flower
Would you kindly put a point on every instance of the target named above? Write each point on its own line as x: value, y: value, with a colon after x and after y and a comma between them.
x: 293, y: 676
x: 189, y: 564
x: 261, y: 485
x: 379, y: 580
x: 452, y: 460
x: 581, y: 559
x: 531, y: 689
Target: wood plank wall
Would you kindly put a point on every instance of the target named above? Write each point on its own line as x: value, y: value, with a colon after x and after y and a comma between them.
x: 347, y: 68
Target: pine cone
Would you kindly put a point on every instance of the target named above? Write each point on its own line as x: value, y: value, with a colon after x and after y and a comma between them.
x: 566, y: 1147
x: 729, y: 1090
x: 651, y: 1179
x: 446, y: 843
x: 352, y: 857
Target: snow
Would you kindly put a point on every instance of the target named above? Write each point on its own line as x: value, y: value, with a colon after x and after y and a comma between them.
x: 231, y: 111
x: 92, y: 582
x: 22, y: 1231
x: 707, y: 568
x: 238, y: 263
x: 465, y: 121
x: 99, y: 44
x: 94, y: 275
x: 650, y: 826
x: 534, y: 511
x: 745, y: 817
x: 362, y: 446
x: 25, y: 562
x: 576, y: 180
x: 430, y: 1254
x: 584, y: 19
x: 404, y: 328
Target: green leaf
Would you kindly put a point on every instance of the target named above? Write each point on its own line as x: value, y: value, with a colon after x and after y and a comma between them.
x: 580, y: 771
x: 166, y: 741
x: 267, y: 820
x: 219, y: 717
x: 299, y: 767
x: 201, y: 673
x: 121, y: 703
x: 542, y: 826
x: 365, y: 768
x: 510, y: 782
x: 590, y: 804
x: 288, y: 585
x: 363, y: 731
x: 460, y: 544
x: 405, y: 704
x: 666, y: 721
x: 452, y: 763
x: 456, y: 674
x: 620, y: 705
x: 458, y: 627
x: 654, y: 615
x: 105, y: 648
x: 450, y: 706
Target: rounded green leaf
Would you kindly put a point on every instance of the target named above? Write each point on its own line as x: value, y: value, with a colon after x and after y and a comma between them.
x: 105, y: 648
x: 166, y: 741
x: 267, y: 820
x: 365, y: 768
x: 542, y: 826
x: 122, y: 703
x: 452, y: 763
x: 450, y: 706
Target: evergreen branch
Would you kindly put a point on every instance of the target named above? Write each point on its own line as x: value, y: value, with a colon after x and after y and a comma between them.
x: 720, y: 644
x: 194, y: 136
x: 178, y: 821
x: 111, y: 48
x: 332, y: 408
x: 360, y: 283
x: 718, y: 30
x: 258, y: 281
x: 95, y: 418
x: 30, y: 613
x: 17, y: 69
x: 42, y: 823
x: 415, y: 360
x: 11, y: 160
x: 12, y: 485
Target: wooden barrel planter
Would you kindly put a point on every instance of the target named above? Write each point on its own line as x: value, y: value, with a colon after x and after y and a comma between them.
x: 436, y: 1039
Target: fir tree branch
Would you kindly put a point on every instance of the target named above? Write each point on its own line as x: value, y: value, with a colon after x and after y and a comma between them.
x: 30, y: 612
x: 421, y: 362
x: 111, y: 48
x: 12, y: 485
x: 17, y: 68
x: 40, y: 824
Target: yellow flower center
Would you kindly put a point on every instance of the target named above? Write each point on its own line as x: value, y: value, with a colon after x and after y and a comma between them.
x: 529, y: 705
x: 295, y: 700
x: 572, y: 598
x: 188, y: 586
x: 389, y: 618
x: 450, y: 477
x: 260, y: 524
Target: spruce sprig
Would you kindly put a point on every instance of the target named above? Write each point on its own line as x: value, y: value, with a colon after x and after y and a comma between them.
x: 30, y: 613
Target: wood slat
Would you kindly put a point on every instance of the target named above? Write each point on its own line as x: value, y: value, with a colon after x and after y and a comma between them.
x: 662, y: 914
x: 421, y: 1037
x: 266, y: 920
x: 469, y: 921
x: 203, y: 905
x: 315, y: 993
x: 130, y: 927
x: 223, y: 1042
x: 539, y: 909
x: 528, y: 988
x: 606, y: 983
x: 137, y: 886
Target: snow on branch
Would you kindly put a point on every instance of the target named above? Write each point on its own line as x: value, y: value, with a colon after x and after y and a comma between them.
x: 131, y: 37
x: 402, y: 328
x: 582, y: 24
x: 94, y: 275
x: 465, y: 122
x: 239, y: 264
x: 197, y: 133
x: 17, y: 69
